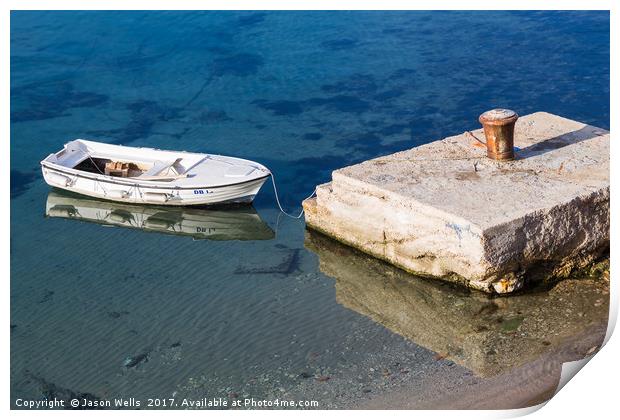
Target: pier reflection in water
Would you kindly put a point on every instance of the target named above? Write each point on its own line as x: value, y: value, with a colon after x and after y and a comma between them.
x: 242, y: 223
x: 488, y: 335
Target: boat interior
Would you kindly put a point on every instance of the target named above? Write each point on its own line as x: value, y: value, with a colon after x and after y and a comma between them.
x: 124, y: 169
x: 117, y: 162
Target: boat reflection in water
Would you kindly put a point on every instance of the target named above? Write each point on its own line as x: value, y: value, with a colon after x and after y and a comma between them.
x: 241, y: 223
x: 487, y: 335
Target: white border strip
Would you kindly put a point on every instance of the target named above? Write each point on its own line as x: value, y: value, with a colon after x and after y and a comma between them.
x: 594, y: 394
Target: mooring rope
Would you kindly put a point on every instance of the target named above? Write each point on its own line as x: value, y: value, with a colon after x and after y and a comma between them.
x: 275, y: 191
x: 93, y: 162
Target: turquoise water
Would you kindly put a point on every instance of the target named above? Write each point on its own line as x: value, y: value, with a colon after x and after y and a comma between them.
x: 109, y: 311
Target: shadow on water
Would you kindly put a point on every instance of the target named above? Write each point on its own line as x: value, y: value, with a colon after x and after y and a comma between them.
x: 488, y: 335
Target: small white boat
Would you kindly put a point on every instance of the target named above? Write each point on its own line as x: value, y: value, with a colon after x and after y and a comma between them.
x: 151, y: 176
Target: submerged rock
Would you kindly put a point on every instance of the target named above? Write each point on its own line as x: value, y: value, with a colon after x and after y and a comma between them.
x: 117, y: 314
x: 52, y: 391
x: 47, y: 295
x: 133, y: 361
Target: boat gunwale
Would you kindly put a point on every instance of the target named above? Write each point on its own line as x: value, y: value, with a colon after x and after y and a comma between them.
x: 150, y: 149
x: 146, y: 183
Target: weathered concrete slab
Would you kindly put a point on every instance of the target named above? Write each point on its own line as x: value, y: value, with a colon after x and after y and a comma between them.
x: 445, y: 210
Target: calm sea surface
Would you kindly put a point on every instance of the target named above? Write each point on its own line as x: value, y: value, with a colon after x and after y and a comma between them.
x: 247, y: 304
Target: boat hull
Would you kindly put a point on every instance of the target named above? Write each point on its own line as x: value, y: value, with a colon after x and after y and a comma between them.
x: 123, y: 191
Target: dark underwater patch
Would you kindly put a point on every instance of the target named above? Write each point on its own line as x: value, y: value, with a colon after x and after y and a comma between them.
x: 139, y: 60
x: 244, y: 64
x: 428, y: 128
x: 35, y: 115
x: 222, y: 37
x: 339, y: 44
x: 389, y: 94
x: 326, y: 163
x: 47, y: 296
x: 374, y: 123
x: 215, y: 116
x: 356, y: 83
x: 402, y: 73
x: 342, y: 103
x: 50, y: 99
x: 393, y: 31
x: 367, y: 143
x: 351, y: 95
x: 427, y: 110
x: 251, y: 19
x: 312, y: 136
x: 397, y: 146
x: 280, y: 107
x: 392, y: 129
x: 312, y: 171
x: 299, y: 177
x: 20, y: 182
x: 144, y: 115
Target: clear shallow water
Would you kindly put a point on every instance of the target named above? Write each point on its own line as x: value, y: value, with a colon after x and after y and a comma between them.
x: 303, y: 93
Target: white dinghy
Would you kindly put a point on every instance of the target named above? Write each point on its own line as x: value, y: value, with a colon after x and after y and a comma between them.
x: 152, y: 176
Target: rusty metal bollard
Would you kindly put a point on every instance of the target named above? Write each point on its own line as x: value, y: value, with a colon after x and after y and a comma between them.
x: 499, y: 127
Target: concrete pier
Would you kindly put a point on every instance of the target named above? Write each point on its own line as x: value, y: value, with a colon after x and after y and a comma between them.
x: 445, y: 210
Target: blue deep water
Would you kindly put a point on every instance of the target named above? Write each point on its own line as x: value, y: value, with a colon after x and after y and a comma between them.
x: 114, y: 311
